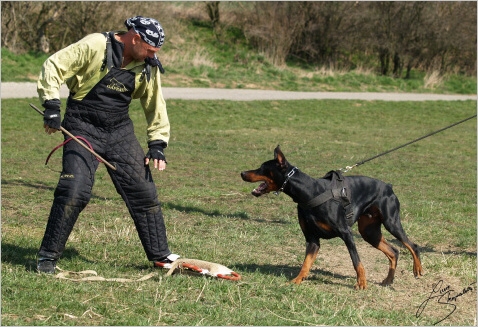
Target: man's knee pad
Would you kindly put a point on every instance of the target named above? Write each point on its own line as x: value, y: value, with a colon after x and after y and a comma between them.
x: 74, y: 190
x: 141, y: 197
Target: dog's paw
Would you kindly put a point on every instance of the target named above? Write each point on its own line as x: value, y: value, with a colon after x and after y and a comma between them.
x: 387, y: 282
x: 361, y: 285
x: 418, y: 271
x: 297, y: 280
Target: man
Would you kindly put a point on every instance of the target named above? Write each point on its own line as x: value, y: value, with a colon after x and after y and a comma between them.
x: 104, y: 72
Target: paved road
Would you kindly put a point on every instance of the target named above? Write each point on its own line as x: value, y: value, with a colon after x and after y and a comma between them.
x: 28, y: 90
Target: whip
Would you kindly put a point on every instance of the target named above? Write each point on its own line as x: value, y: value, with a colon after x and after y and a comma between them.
x: 78, y: 141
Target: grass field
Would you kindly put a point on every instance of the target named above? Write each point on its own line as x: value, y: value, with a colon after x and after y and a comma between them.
x: 207, y: 64
x: 211, y: 215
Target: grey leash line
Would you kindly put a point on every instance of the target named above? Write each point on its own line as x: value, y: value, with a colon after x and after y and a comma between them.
x: 348, y: 168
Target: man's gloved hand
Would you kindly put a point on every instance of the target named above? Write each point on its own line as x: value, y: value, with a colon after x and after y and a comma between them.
x: 156, y: 152
x: 51, y: 115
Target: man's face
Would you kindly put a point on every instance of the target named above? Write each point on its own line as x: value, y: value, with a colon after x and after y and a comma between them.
x: 141, y: 49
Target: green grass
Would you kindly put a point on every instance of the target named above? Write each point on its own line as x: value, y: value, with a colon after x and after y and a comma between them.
x: 21, y: 68
x: 227, y: 62
x: 211, y: 215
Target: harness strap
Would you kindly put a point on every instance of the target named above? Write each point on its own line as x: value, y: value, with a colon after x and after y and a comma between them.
x: 66, y: 141
x: 338, y: 193
x: 318, y: 200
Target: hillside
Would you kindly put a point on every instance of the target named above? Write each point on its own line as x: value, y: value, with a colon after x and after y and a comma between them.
x: 197, y: 55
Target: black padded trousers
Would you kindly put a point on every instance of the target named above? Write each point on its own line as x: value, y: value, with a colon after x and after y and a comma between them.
x: 116, y: 143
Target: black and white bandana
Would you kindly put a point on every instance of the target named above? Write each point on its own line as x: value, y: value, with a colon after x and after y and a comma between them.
x: 149, y: 29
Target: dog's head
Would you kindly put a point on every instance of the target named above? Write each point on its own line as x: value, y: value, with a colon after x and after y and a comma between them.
x: 271, y: 173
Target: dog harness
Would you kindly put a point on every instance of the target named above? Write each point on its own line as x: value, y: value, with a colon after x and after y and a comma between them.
x: 337, y: 191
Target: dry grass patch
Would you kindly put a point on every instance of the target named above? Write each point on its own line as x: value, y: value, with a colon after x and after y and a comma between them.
x: 433, y: 80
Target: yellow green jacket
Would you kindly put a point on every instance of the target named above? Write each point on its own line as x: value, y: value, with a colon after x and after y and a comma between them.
x: 79, y: 66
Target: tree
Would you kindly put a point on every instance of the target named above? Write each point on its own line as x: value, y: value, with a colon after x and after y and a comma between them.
x: 394, y: 36
x: 272, y: 27
x: 327, y: 32
x: 212, y: 8
x: 9, y: 23
x: 26, y: 24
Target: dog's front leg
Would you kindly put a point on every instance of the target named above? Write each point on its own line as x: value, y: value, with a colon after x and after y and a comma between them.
x: 359, y: 269
x: 311, y: 251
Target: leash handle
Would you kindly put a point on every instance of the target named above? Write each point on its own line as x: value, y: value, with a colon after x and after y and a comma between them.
x: 78, y: 141
x: 348, y: 168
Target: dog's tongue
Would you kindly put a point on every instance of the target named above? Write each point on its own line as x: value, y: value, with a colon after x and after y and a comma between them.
x: 259, y: 190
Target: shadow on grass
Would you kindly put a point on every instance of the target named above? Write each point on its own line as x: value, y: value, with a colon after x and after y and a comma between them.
x: 22, y: 256
x: 29, y: 184
x: 316, y: 275
x: 41, y: 186
x: 423, y: 249
x: 428, y: 249
x: 218, y: 214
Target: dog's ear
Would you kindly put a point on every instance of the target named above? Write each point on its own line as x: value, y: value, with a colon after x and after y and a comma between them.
x: 277, y: 151
x: 279, y: 156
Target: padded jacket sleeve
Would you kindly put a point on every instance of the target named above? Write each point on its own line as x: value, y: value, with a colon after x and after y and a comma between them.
x: 75, y: 65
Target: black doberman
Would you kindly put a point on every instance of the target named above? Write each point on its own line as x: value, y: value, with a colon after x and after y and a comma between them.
x: 328, y: 207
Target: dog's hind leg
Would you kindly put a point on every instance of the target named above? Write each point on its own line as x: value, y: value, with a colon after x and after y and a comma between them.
x: 311, y: 251
x: 417, y: 264
x: 391, y: 221
x: 369, y: 226
x: 412, y: 247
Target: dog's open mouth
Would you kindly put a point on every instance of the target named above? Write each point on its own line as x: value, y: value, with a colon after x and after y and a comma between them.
x: 261, y: 189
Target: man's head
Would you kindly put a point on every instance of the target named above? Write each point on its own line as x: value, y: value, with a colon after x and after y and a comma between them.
x: 144, y: 38
x: 149, y: 29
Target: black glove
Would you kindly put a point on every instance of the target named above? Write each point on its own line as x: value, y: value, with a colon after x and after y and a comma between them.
x: 156, y: 150
x: 51, y: 115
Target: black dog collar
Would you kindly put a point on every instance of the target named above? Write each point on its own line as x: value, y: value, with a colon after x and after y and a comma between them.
x: 289, y: 175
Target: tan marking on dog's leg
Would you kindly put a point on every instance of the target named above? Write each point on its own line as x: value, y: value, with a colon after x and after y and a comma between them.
x: 390, y: 253
x: 311, y: 254
x: 361, y: 280
x: 417, y: 265
x: 369, y: 227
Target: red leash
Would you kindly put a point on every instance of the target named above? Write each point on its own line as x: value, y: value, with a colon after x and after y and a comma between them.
x: 68, y: 140
x: 77, y: 140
